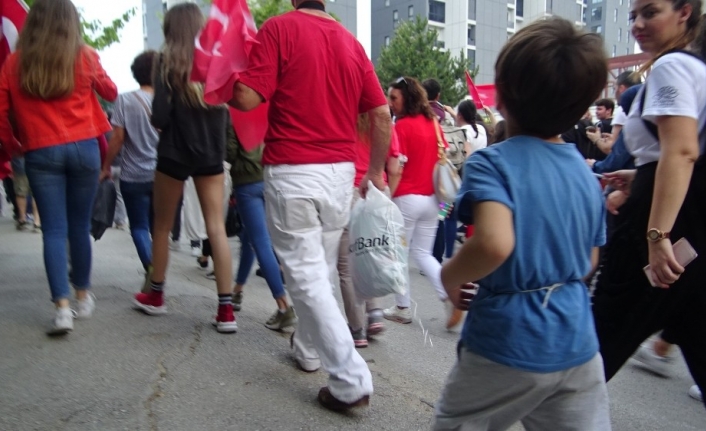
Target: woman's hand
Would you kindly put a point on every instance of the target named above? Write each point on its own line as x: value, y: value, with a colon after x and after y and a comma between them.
x: 663, y: 264
x: 621, y: 180
x: 104, y: 175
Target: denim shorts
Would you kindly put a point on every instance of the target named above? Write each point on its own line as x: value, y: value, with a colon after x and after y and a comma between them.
x: 181, y: 172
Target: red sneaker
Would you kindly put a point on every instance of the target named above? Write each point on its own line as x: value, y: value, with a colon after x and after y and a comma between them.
x: 151, y: 303
x: 225, y: 320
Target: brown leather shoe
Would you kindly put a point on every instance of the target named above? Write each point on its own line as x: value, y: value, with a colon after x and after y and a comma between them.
x: 332, y: 403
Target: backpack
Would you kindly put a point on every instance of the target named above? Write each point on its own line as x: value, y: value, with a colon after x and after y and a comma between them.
x: 456, y: 138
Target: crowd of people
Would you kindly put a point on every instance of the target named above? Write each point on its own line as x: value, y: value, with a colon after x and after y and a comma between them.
x: 537, y: 345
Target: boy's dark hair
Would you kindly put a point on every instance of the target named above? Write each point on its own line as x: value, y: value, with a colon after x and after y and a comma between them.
x: 142, y: 67
x: 628, y: 79
x: 550, y: 64
x: 606, y: 103
x: 432, y: 87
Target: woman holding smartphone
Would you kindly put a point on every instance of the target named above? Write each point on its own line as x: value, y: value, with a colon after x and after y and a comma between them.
x: 665, y: 133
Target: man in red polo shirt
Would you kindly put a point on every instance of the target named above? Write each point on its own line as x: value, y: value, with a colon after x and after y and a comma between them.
x: 317, y: 78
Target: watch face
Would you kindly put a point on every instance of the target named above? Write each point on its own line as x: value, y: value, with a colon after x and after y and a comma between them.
x: 653, y: 234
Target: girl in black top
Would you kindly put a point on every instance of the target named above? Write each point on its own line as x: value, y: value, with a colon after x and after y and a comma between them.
x: 191, y: 143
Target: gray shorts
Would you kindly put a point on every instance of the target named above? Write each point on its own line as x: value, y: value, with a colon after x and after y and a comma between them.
x: 21, y: 184
x: 482, y: 395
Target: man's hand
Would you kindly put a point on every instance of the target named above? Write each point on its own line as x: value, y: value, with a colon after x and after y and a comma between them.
x: 593, y: 136
x: 105, y: 174
x: 621, y: 180
x: 615, y: 200
x: 377, y: 180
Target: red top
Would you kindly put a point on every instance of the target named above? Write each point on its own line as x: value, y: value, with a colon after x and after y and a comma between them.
x: 317, y: 79
x: 418, y: 142
x: 362, y: 158
x: 45, y: 123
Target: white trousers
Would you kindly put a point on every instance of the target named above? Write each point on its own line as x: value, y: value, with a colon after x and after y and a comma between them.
x: 421, y: 222
x: 307, y: 208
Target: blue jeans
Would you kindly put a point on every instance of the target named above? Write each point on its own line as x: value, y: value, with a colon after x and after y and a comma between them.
x: 446, y: 237
x: 138, y: 205
x: 251, y: 207
x: 64, y: 180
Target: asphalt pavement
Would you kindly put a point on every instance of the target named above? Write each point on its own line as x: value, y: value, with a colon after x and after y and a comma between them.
x: 123, y: 370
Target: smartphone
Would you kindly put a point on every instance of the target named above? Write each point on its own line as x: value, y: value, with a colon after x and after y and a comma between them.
x: 684, y: 253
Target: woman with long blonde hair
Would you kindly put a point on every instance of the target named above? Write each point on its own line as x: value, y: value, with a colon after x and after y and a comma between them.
x: 49, y: 86
x: 191, y: 144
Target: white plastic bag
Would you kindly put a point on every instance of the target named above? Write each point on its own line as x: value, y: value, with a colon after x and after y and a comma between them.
x: 377, y: 246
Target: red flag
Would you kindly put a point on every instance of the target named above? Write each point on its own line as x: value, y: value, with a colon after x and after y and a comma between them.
x: 473, y: 91
x: 221, y: 54
x: 486, y: 94
x: 13, y: 13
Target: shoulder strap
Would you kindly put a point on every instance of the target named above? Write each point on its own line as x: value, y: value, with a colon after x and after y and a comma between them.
x: 651, y: 127
x: 439, y: 142
x: 144, y: 105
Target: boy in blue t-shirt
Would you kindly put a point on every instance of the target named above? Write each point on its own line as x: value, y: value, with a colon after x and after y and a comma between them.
x: 528, y: 350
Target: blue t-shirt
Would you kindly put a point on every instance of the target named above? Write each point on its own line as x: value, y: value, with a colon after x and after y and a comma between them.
x: 558, y: 216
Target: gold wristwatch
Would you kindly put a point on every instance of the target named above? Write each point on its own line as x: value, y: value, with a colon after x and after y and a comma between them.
x: 654, y: 235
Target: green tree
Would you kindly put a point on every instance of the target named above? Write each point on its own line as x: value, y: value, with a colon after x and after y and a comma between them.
x: 98, y: 35
x: 413, y: 52
x: 262, y: 10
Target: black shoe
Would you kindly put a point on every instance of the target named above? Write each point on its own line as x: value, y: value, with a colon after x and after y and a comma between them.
x: 259, y: 273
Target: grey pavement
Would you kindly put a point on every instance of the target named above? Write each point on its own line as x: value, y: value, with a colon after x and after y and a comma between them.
x: 123, y: 370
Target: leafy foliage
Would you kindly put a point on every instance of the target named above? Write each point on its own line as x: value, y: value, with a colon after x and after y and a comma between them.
x: 413, y: 52
x: 98, y: 35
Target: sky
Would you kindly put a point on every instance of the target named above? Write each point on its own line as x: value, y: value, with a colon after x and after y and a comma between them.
x: 117, y: 58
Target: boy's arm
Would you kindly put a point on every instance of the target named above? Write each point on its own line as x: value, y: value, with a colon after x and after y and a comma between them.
x: 491, y: 244
x: 594, y: 265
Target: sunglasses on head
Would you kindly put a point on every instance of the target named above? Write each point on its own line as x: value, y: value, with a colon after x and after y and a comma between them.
x: 401, y: 80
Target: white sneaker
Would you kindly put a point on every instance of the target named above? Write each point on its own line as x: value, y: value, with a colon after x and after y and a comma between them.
x: 63, y: 322
x: 85, y: 307
x: 695, y: 393
x: 174, y: 245
x: 195, y: 251
x: 308, y: 365
x: 396, y: 314
x: 652, y: 362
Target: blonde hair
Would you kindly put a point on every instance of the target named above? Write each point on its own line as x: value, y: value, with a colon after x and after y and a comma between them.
x: 182, y: 24
x: 692, y: 31
x: 48, y: 47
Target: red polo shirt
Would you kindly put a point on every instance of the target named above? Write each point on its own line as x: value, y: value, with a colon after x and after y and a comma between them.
x: 317, y: 79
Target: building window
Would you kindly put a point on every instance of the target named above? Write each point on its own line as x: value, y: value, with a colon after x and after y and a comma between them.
x: 437, y: 11
x: 615, y: 15
x: 620, y: 34
x: 472, y: 35
x: 520, y: 8
x: 597, y: 29
x: 472, y: 9
x: 627, y: 51
x: 440, y: 44
x: 627, y: 36
x: 615, y: 50
x: 410, y: 11
x: 395, y: 17
x: 164, y: 6
x: 387, y: 3
x: 596, y: 13
x: 387, y: 40
x: 471, y: 53
x: 510, y: 18
x: 550, y: 6
x: 621, y: 2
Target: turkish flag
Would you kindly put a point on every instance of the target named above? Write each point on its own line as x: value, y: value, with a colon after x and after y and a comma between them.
x: 473, y: 91
x: 222, y: 50
x: 486, y: 93
x: 13, y: 13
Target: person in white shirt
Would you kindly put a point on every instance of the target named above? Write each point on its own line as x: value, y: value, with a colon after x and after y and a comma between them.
x: 665, y: 132
x: 476, y: 135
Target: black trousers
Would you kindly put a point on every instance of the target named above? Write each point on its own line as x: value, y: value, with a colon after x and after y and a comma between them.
x: 626, y: 308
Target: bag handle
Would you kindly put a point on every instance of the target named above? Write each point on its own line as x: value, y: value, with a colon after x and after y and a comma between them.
x: 440, y: 144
